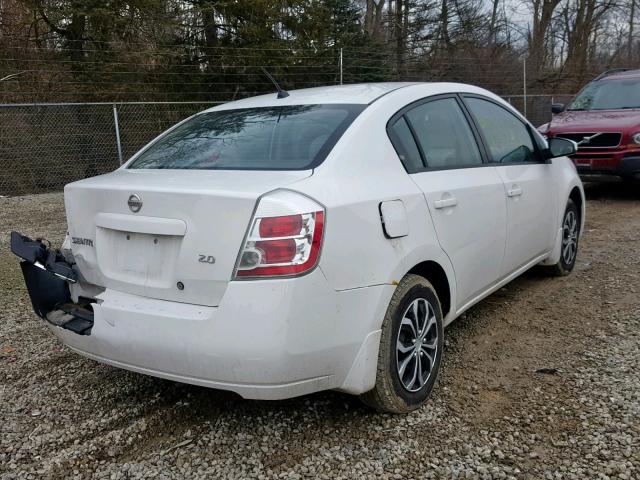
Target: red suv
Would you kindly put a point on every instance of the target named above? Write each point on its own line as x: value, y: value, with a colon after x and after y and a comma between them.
x: 604, y: 120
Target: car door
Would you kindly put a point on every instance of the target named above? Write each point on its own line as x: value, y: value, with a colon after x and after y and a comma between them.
x: 439, y: 148
x: 527, y: 178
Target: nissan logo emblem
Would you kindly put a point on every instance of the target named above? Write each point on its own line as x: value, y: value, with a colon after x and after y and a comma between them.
x: 135, y: 203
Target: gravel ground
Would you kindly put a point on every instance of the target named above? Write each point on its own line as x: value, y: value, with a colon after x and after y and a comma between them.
x: 491, y: 415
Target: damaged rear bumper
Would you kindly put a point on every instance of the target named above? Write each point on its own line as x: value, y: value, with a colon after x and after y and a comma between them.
x: 261, y: 342
x: 47, y: 275
x: 267, y: 339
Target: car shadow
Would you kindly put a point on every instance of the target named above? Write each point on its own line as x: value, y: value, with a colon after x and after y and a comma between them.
x: 612, y: 190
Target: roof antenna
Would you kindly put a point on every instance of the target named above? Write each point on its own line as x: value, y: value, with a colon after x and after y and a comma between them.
x: 281, y: 93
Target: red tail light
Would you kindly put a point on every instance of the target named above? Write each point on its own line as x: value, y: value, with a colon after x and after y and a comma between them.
x: 285, y: 226
x: 277, y: 251
x: 282, y: 246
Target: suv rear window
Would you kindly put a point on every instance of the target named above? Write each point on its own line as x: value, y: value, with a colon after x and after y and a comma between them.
x: 296, y: 137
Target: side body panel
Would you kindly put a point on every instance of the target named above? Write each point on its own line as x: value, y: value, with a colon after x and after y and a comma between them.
x: 472, y: 231
x: 364, y: 170
x: 531, y: 219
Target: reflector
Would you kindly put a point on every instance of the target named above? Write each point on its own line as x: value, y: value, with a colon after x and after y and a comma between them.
x: 277, y: 251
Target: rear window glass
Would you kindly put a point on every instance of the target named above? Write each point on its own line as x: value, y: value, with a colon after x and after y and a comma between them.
x: 295, y: 137
x: 405, y: 145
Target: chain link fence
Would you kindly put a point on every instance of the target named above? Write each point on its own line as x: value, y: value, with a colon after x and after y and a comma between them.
x: 45, y: 146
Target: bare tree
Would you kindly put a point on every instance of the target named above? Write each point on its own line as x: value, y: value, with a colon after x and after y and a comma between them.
x: 542, y: 15
x: 582, y: 20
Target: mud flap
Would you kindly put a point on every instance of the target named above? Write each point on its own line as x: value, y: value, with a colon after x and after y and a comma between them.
x: 47, y: 276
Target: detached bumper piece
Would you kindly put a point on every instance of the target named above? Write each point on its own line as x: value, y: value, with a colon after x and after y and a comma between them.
x: 47, y: 276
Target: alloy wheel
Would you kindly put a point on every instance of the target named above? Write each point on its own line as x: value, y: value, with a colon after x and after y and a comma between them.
x: 569, y: 237
x: 416, y: 345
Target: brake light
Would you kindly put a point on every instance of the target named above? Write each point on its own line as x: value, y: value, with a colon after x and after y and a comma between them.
x: 280, y: 226
x: 285, y: 245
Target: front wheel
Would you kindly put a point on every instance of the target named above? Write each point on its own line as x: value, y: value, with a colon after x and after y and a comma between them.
x: 570, y: 237
x: 410, y: 348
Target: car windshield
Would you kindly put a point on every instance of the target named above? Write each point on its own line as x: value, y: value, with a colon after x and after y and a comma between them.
x: 608, y: 95
x: 295, y: 137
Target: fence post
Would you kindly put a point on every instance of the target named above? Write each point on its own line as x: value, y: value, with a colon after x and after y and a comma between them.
x: 117, y: 127
x: 524, y: 85
x: 340, y: 65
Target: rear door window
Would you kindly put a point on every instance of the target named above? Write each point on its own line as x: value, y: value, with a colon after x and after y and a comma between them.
x: 444, y: 134
x: 296, y: 137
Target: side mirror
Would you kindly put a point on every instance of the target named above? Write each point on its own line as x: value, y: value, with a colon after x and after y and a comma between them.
x: 557, y: 107
x: 561, y: 147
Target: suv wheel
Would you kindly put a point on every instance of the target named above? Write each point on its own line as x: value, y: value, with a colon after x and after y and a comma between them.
x: 410, y: 348
x: 570, y: 236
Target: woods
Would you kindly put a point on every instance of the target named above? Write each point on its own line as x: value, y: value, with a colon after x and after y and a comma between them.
x: 207, y: 50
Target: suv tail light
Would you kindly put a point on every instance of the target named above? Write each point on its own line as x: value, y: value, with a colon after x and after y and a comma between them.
x: 283, y: 245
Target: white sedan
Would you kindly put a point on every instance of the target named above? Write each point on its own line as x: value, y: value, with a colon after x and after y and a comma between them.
x: 281, y: 245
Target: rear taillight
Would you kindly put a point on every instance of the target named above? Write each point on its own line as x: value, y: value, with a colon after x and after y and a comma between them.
x: 283, y: 245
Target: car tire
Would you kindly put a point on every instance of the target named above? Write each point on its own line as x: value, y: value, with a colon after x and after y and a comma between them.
x: 570, y: 238
x: 411, y: 343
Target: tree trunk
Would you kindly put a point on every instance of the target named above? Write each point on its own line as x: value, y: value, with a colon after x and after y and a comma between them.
x: 210, y: 23
x: 632, y: 13
x: 543, y: 11
x: 493, y: 21
x: 399, y: 29
x: 75, y: 36
x: 378, y: 32
x: 444, y: 22
x: 587, y: 14
x: 368, y: 18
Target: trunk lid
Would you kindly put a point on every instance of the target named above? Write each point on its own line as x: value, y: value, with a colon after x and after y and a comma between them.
x: 187, y: 232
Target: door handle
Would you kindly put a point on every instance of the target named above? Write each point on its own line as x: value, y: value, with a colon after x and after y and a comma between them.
x: 446, y: 202
x: 514, y: 191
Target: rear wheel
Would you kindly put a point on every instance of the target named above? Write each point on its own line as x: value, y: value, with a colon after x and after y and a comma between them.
x: 410, y: 348
x: 570, y: 236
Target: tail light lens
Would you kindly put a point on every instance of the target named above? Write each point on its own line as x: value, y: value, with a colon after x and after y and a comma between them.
x: 285, y: 245
x: 280, y: 226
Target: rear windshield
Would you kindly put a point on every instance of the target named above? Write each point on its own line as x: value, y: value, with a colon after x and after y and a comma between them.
x: 295, y: 137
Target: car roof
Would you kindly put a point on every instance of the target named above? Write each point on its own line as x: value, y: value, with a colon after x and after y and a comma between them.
x: 361, y: 93
x: 620, y: 74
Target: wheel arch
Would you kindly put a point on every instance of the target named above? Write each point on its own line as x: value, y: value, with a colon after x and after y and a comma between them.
x: 437, y: 276
x: 578, y: 199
